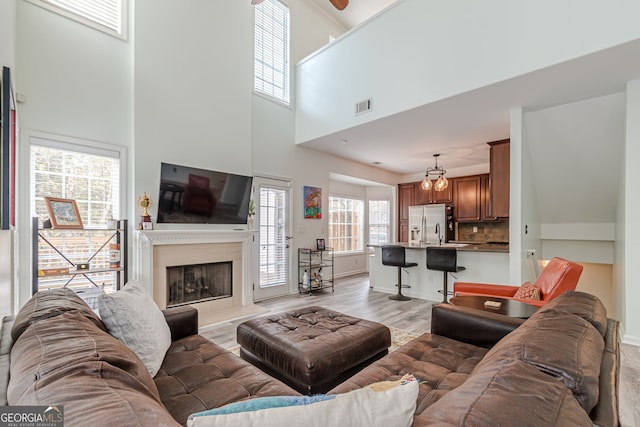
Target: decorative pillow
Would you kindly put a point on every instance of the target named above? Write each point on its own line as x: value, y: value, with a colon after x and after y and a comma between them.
x: 134, y: 318
x: 527, y: 291
x: 378, y: 405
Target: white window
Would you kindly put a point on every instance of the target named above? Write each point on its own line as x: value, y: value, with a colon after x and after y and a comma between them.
x: 379, y: 221
x: 273, y: 236
x: 271, y: 50
x: 87, y: 175
x: 346, y: 224
x: 91, y: 176
x: 108, y: 16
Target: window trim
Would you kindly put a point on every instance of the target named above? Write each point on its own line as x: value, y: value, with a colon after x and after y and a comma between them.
x: 389, y: 224
x: 61, y: 142
x: 286, y: 69
x: 363, y: 224
x: 123, y: 34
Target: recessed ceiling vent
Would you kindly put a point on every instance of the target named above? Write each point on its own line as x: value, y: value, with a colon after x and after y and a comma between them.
x: 363, y: 106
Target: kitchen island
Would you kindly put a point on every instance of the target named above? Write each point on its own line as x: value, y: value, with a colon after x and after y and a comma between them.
x: 484, y: 263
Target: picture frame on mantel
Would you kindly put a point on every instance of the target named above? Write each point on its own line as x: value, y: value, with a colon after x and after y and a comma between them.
x: 63, y: 213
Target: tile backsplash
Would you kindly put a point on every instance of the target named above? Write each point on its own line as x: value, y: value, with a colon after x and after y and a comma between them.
x: 486, y: 231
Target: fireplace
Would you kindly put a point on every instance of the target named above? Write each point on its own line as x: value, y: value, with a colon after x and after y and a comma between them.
x: 187, y: 284
x: 161, y: 250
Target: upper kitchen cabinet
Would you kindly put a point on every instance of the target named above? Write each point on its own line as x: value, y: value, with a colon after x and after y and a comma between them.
x: 499, y: 179
x: 426, y: 197
x: 485, y: 199
x: 467, y: 202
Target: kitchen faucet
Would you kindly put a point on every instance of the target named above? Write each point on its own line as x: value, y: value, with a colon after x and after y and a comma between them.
x: 438, y: 233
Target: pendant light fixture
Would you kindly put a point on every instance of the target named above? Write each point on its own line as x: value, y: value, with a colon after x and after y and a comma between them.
x: 441, y: 183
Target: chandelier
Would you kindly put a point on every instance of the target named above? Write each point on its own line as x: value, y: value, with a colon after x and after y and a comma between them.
x: 438, y: 171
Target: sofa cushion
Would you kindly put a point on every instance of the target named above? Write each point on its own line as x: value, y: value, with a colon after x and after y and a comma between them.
x: 68, y: 360
x: 381, y: 406
x: 134, y: 318
x: 439, y: 363
x: 197, y: 375
x: 45, y: 304
x: 560, y: 344
x: 508, y: 392
x: 582, y: 304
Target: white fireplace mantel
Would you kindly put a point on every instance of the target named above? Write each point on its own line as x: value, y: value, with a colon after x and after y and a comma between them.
x: 146, y: 241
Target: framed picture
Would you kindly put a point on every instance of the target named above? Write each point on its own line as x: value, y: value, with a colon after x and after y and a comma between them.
x: 312, y: 202
x: 320, y: 244
x: 63, y: 213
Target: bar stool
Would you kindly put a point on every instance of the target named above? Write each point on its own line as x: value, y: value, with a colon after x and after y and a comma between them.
x: 394, y: 255
x: 445, y: 260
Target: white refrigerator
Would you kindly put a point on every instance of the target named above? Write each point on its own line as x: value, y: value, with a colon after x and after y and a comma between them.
x: 427, y: 224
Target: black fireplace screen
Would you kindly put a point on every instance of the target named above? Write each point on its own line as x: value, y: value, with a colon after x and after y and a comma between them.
x: 187, y: 284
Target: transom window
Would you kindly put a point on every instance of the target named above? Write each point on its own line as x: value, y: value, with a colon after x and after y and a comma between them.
x: 346, y: 224
x: 379, y: 221
x: 271, y: 50
x: 108, y: 16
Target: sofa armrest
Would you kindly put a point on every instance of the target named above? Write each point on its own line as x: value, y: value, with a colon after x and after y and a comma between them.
x: 485, y: 289
x: 471, y: 326
x: 606, y: 410
x: 182, y: 321
x: 6, y: 342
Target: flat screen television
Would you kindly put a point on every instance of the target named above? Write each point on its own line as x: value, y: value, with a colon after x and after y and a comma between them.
x: 198, y: 196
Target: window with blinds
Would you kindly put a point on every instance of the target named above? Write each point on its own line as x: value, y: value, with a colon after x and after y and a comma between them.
x: 346, y: 223
x: 273, y: 237
x: 271, y: 50
x: 90, y: 177
x: 105, y: 15
x: 379, y: 221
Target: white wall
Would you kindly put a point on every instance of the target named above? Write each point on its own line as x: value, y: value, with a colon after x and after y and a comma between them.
x: 77, y: 83
x: 630, y: 292
x: 421, y: 51
x: 7, y: 59
x: 7, y: 32
x: 194, y: 103
x: 192, y: 90
x: 516, y: 214
x: 530, y: 227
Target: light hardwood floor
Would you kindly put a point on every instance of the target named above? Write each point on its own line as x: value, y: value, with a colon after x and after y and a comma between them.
x: 354, y: 297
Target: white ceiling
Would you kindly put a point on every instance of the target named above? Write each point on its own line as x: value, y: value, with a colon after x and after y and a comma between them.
x: 459, y: 127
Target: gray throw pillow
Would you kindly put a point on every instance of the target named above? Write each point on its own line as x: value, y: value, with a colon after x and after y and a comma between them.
x: 133, y: 317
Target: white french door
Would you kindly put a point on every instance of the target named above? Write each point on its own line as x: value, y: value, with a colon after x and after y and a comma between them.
x: 273, y: 222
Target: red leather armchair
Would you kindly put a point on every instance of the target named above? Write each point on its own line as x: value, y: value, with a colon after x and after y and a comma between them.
x: 198, y: 197
x: 557, y: 277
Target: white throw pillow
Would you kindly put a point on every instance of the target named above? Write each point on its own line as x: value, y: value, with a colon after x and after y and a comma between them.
x: 133, y: 317
x: 364, y: 407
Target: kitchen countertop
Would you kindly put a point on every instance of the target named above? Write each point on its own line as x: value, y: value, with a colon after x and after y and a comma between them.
x: 461, y: 246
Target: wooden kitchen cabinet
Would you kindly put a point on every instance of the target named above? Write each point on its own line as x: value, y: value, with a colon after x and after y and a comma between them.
x: 499, y: 179
x: 467, y: 198
x: 406, y: 193
x: 485, y: 199
x: 422, y: 197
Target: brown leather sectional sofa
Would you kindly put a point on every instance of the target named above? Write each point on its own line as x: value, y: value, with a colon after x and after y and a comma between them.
x: 558, y: 368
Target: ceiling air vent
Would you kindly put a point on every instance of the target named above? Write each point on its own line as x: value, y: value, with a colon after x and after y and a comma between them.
x: 363, y: 106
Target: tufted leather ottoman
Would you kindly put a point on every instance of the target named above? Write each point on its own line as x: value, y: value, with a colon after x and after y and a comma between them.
x: 312, y: 349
